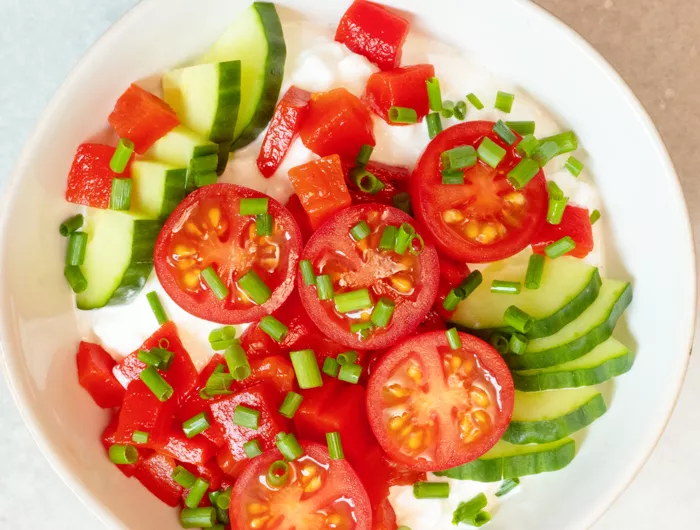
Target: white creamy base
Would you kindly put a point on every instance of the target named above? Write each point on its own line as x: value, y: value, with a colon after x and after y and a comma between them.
x: 316, y: 63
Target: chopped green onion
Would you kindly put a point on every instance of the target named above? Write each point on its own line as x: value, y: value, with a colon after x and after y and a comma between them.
x: 197, y: 493
x: 263, y: 224
x: 196, y: 425
x: 460, y: 157
x: 203, y: 394
x: 222, y: 338
x: 156, y: 384
x: 518, y: 343
x: 254, y: 206
x: 205, y: 179
x: 504, y: 132
x: 246, y: 417
x: 289, y: 446
x: 290, y: 405
x: 555, y: 210
x: 505, y: 287
x: 526, y: 147
x: 504, y: 101
x: 366, y: 181
x: 306, y: 369
x: 335, y: 446
x: 278, y: 474
x: 183, y: 477
x: 382, y: 312
x: 70, y: 225
x: 404, y: 237
x: 324, y: 287
x: 523, y: 173
x: 218, y: 384
x: 453, y: 298
x: 574, y: 166
x: 237, y: 361
x: 490, y: 152
x: 360, y: 231
x: 471, y: 282
x: 123, y: 454
x: 434, y: 93
x: 595, y: 215
x: 254, y: 287
x: 140, y: 437
x: 273, y: 327
x: 566, y: 142
x: 499, y: 342
x: 364, y: 155
x: 453, y: 177
x: 212, y: 279
x: 453, y: 338
x: 402, y: 115
x: 402, y: 201
x: 223, y: 517
x: 120, y: 199
x: 350, y: 373
x: 388, y: 240
x: 165, y: 358
x: 544, y: 153
x: 518, y: 319
x: 434, y: 124
x: 363, y: 328
x: 535, y: 269
x: 403, y: 527
x: 252, y: 448
x: 307, y: 272
x: 417, y: 251
x: 198, y: 517
x: 352, y: 301
x: 522, y: 127
x: 475, y: 101
x: 77, y: 243
x: 348, y: 357
x: 448, y: 108
x: 223, y: 501
x: 559, y: 248
x: 507, y: 486
x: 122, y: 155
x: 466, y: 512
x: 431, y: 490
x: 157, y: 307
x: 331, y: 367
x: 149, y: 358
x: 461, y: 110
x: 554, y: 190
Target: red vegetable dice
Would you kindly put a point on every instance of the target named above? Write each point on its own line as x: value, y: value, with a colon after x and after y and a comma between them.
x: 90, y: 177
x: 155, y: 472
x: 142, y: 117
x: 196, y: 450
x: 284, y: 127
x: 394, y: 178
x: 108, y: 440
x: 576, y: 224
x: 143, y: 411
x: 373, y: 31
x: 402, y: 87
x: 95, y: 375
x: 275, y: 370
x: 209, y: 471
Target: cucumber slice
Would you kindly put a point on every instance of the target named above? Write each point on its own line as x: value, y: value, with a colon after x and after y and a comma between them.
x: 607, y: 360
x: 593, y: 326
x: 543, y: 417
x: 257, y: 40
x: 511, y: 461
x: 568, y: 287
x: 118, y: 259
x: 158, y: 188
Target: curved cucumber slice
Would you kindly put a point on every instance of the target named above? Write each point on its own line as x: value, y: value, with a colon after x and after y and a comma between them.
x: 256, y: 39
x: 568, y: 287
x: 158, y: 188
x: 543, y: 417
x: 593, y: 326
x: 510, y: 461
x: 118, y: 259
x: 607, y: 360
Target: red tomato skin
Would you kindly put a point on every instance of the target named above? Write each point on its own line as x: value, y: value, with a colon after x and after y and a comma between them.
x: 384, y: 516
x: 373, y: 31
x: 295, y: 208
x: 90, y: 177
x: 155, y: 472
x: 275, y: 370
x: 142, y: 117
x: 196, y: 450
x: 284, y: 128
x: 396, y: 179
x: 338, y: 123
x: 575, y: 223
x: 108, y: 440
x: 208, y: 471
x: 402, y: 87
x: 95, y: 375
x: 451, y: 275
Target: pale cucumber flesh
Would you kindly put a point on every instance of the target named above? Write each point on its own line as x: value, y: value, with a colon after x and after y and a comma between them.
x: 158, y: 188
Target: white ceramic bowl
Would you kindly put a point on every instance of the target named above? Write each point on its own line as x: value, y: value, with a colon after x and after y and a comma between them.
x: 648, y: 234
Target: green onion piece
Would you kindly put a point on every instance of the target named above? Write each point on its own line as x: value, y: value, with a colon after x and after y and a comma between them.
x: 306, y: 369
x: 120, y: 199
x: 535, y: 269
x: 278, y: 474
x: 404, y: 238
x: 482, y: 518
x: 349, y: 357
x: 366, y: 181
x: 504, y: 101
x: 196, y: 425
x: 219, y: 526
x: 157, y: 307
x: 504, y: 132
x: 263, y: 224
x: 252, y: 448
x: 222, y: 338
x: 555, y: 210
x: 213, y: 495
x: 183, y: 477
x: 223, y: 517
x: 254, y: 287
x: 460, y: 157
x: 237, y: 361
x: 350, y: 373
x: 416, y: 250
x: 434, y: 93
x: 166, y: 357
x: 490, y: 152
x: 218, y: 384
x: 499, y: 342
x: 364, y: 155
x: 475, y: 101
x: 273, y: 327
x: 448, y: 108
x: 523, y: 128
x: 307, y: 272
x: 526, y: 147
x: 434, y: 124
x: 402, y: 201
x: 352, y: 301
x: 324, y: 287
x: 566, y: 142
x: 139, y: 437
x: 544, y: 153
x: 382, y: 312
x: 203, y: 394
x: 198, y: 517
x: 559, y: 248
x: 214, y: 282
x: 331, y: 367
x: 156, y: 384
x: 197, y: 493
x: 461, y: 110
x: 149, y: 358
x: 402, y: 115
x: 363, y: 328
x: 518, y: 343
x: 574, y: 166
x: 75, y: 253
x: 507, y: 486
x: 431, y: 490
x: 505, y: 287
x: 554, y: 190
x: 466, y: 512
x: 289, y: 447
x: 290, y: 405
x: 453, y: 298
x: 70, y: 225
x: 404, y: 527
x: 122, y: 155
x: 123, y: 454
x: 523, y: 173
x: 223, y: 501
x: 471, y: 282
x: 254, y: 206
x: 205, y: 179
x: 518, y: 319
x: 595, y: 215
x: 360, y: 231
x: 246, y: 417
x: 335, y: 446
x: 388, y: 240
x: 453, y: 338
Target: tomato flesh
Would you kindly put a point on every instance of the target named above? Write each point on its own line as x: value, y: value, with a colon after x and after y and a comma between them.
x: 575, y: 223
x: 402, y: 87
x: 90, y: 177
x: 95, y: 375
x: 432, y: 408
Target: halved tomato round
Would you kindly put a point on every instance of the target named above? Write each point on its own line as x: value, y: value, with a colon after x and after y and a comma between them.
x: 407, y: 280
x: 486, y: 218
x: 207, y: 230
x: 319, y: 494
x: 432, y: 407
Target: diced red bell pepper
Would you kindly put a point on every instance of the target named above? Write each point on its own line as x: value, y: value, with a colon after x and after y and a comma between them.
x: 209, y: 471
x: 338, y: 123
x: 402, y: 87
x: 284, y: 127
x: 95, y: 375
x: 182, y: 375
x: 321, y: 188
x: 142, y: 117
x: 108, y: 440
x: 155, y: 473
x: 275, y: 370
x: 90, y: 177
x: 394, y: 178
x: 373, y: 31
x: 576, y: 224
x: 196, y: 450
x: 143, y: 411
x: 301, y: 217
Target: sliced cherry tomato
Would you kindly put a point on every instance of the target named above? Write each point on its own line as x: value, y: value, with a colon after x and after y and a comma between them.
x: 373, y: 31
x: 575, y: 223
x: 394, y: 178
x: 401, y: 87
x: 142, y: 117
x: 90, y: 177
x: 432, y: 408
x: 207, y: 230
x: 408, y: 280
x: 142, y: 411
x: 284, y: 127
x: 196, y: 450
x: 301, y: 217
x: 108, y: 440
x: 338, y: 123
x: 320, y: 493
x: 155, y: 473
x: 95, y: 375
x: 486, y: 218
x: 384, y: 517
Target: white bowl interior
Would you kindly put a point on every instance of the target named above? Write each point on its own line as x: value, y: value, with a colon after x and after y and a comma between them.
x: 631, y: 167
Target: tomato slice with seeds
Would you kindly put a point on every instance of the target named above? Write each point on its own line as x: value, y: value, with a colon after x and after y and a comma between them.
x: 486, y: 218
x: 320, y: 494
x: 433, y: 408
x: 409, y: 280
x: 205, y: 230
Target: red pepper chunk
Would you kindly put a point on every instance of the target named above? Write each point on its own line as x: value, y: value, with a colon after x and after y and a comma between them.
x: 196, y: 450
x: 208, y: 471
x: 284, y: 127
x: 575, y: 223
x: 90, y: 177
x: 155, y: 473
x: 108, y: 440
x: 373, y: 31
x: 95, y: 375
x: 143, y: 411
x: 338, y: 123
x: 402, y: 87
x: 142, y: 117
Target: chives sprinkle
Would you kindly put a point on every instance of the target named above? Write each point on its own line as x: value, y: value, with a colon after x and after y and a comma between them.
x: 574, y: 166
x: 448, y: 109
x: 521, y: 175
x: 157, y: 307
x: 352, y: 301
x: 554, y: 190
x: 77, y: 243
x: 350, y: 373
x: 366, y: 181
x: 504, y: 132
x: 278, y: 474
x: 263, y: 224
x: 218, y: 384
x: 306, y: 369
x: 526, y: 147
x: 156, y: 384
x: 453, y: 338
x: 289, y: 446
x: 382, y: 312
x: 348, y: 357
x: 544, y: 153
x: 559, y: 248
x: 404, y: 237
x: 307, y: 272
x: 252, y: 448
x: 500, y: 343
x: 70, y: 225
x: 453, y: 298
x: 388, y: 239
x: 149, y: 358
x: 535, y: 270
x: 453, y: 177
x: 198, y: 517
x: 555, y: 210
x: 504, y: 101
x: 197, y: 493
x: 196, y: 425
x: 490, y: 152
x: 565, y: 142
x: 324, y: 287
x: 273, y: 327
x: 361, y: 327
x: 360, y: 231
x: 222, y: 338
x: 417, y: 250
x: 254, y: 287
x: 434, y: 94
x: 402, y: 115
x: 123, y: 454
x: 254, y: 206
x: 364, y: 155
x: 237, y: 361
x: 478, y: 105
x: 460, y: 157
x: 507, y: 486
x: 431, y: 490
x: 335, y: 446
x: 461, y: 110
x: 246, y: 417
x: 505, y: 287
x: 120, y: 199
x: 223, y: 501
x: 434, y: 124
x: 290, y: 405
x: 122, y: 155
x: 518, y: 319
x: 518, y: 343
x: 212, y: 279
x: 595, y: 215
x: 467, y: 512
x: 183, y: 477
x: 140, y: 437
x: 331, y: 367
x: 522, y: 127
x: 471, y: 282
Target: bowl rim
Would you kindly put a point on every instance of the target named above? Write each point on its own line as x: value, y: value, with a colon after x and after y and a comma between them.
x: 11, y: 366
